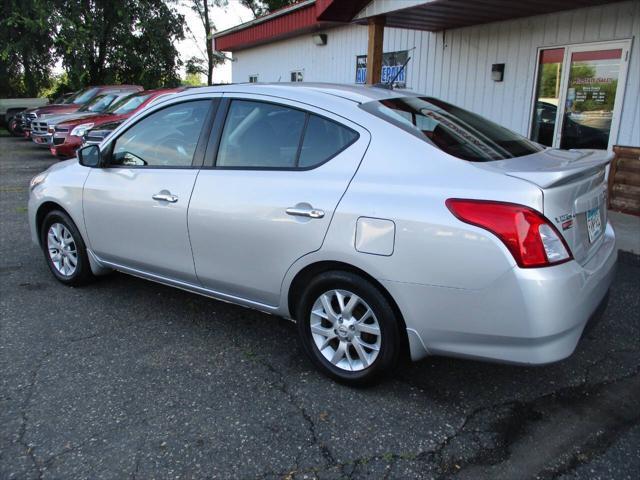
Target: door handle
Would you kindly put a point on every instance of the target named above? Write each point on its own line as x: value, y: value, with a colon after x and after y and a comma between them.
x: 165, y: 197
x: 305, y: 212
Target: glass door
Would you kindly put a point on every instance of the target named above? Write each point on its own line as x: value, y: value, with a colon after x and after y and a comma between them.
x: 547, y: 99
x: 579, y: 95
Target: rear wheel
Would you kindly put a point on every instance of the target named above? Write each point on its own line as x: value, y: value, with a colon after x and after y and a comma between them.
x: 348, y: 329
x: 64, y: 249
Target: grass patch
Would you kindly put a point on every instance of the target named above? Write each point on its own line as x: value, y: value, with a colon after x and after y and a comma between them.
x: 22, y: 209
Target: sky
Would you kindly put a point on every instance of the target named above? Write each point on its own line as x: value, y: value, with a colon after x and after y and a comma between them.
x: 223, y: 18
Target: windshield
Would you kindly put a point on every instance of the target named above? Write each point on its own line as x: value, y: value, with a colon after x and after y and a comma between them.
x: 84, y: 96
x: 453, y: 130
x: 99, y: 103
x: 128, y: 104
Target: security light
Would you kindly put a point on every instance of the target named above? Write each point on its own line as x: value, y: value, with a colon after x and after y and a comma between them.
x: 320, y: 39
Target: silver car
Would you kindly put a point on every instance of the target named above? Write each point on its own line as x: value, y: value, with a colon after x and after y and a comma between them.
x: 387, y: 224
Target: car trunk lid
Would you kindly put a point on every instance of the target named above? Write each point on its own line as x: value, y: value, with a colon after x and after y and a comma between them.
x: 574, y: 192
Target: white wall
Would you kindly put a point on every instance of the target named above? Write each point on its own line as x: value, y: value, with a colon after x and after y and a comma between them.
x: 455, y: 65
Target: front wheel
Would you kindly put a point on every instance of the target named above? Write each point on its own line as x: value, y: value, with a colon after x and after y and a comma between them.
x: 348, y: 328
x: 64, y: 249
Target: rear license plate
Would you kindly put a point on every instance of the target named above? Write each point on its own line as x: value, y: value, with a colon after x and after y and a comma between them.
x: 594, y: 225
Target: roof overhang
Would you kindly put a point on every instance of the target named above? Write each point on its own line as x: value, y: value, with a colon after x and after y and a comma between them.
x: 306, y: 16
x: 436, y: 15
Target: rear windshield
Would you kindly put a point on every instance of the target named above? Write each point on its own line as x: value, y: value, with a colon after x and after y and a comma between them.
x: 453, y: 130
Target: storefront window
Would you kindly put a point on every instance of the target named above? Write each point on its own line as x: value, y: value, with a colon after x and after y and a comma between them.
x: 547, y: 100
x: 591, y: 94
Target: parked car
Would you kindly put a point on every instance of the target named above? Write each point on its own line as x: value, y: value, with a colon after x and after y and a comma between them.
x: 68, y: 135
x: 96, y: 135
x: 578, y: 130
x: 9, y: 107
x: 42, y: 129
x: 14, y: 115
x: 73, y: 104
x: 383, y: 222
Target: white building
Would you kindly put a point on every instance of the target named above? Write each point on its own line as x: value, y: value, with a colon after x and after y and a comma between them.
x: 560, y: 72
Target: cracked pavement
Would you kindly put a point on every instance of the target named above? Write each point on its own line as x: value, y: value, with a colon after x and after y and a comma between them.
x: 131, y: 379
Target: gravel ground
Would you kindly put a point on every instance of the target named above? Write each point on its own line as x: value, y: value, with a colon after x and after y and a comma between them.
x: 130, y: 379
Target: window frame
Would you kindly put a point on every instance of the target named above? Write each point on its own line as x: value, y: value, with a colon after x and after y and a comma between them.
x: 215, y: 137
x: 199, y: 153
x: 296, y: 72
x: 253, y: 76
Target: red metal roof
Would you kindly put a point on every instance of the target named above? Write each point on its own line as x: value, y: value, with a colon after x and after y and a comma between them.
x: 301, y: 17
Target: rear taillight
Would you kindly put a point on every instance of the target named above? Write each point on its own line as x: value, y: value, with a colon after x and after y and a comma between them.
x: 530, y: 237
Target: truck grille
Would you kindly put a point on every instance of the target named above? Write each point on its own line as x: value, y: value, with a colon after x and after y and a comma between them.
x: 58, y: 141
x: 39, y: 127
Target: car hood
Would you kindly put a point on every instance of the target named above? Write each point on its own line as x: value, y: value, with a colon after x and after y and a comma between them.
x: 50, y: 109
x: 107, y: 126
x: 56, y: 119
x: 96, y: 119
x: 63, y: 165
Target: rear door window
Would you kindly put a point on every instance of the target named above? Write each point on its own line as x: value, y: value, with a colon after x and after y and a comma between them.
x: 265, y: 135
x: 260, y: 135
x: 323, y: 139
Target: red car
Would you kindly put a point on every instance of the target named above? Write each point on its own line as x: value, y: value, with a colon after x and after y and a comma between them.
x: 73, y: 104
x: 67, y: 137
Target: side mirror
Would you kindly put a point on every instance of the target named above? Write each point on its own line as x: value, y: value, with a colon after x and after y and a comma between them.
x: 89, y: 156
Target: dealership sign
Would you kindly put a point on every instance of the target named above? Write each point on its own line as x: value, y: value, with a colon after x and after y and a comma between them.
x: 392, y: 63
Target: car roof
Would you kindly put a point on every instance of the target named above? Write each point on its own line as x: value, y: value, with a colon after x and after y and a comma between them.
x: 354, y: 93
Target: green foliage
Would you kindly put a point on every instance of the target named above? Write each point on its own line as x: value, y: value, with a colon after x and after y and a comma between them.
x: 192, y: 80
x: 95, y: 41
x: 59, y: 85
x: 119, y: 41
x: 195, y: 66
x: 550, y: 80
x: 263, y: 7
x: 25, y: 47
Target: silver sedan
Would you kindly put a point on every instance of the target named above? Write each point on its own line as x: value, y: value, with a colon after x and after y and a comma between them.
x: 387, y: 224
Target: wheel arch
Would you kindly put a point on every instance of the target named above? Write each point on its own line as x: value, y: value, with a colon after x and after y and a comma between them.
x: 309, y: 271
x: 43, y: 210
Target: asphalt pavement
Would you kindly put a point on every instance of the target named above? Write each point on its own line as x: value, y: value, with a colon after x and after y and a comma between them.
x: 130, y: 379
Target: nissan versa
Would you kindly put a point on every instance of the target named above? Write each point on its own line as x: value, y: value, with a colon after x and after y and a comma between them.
x: 383, y: 222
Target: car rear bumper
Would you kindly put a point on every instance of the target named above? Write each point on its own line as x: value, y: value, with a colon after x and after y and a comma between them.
x: 527, y: 316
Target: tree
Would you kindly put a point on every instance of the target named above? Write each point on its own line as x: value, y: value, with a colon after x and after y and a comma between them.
x: 204, y: 8
x: 118, y: 41
x: 195, y: 66
x: 264, y: 7
x: 26, y: 41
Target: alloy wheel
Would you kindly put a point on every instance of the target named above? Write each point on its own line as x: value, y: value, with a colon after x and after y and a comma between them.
x: 345, y: 330
x: 62, y: 249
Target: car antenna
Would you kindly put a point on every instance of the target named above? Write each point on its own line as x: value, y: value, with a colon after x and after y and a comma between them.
x: 389, y: 84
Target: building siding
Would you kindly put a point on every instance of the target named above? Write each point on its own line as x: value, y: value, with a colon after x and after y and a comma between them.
x: 455, y: 65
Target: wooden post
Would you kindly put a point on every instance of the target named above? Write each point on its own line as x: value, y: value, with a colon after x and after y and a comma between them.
x: 374, y: 50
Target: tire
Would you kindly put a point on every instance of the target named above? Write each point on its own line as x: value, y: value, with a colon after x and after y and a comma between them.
x: 343, y: 342
x: 60, y: 255
x: 11, y: 127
